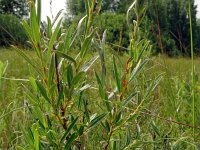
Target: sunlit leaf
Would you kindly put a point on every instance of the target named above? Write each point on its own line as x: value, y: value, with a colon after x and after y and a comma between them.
x: 97, y: 120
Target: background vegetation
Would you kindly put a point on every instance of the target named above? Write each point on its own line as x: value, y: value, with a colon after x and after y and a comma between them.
x: 166, y: 23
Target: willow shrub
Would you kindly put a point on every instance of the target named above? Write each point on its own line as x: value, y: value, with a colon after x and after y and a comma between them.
x: 63, y: 116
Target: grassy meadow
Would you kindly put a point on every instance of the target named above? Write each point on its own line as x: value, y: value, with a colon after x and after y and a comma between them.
x: 167, y: 116
x: 75, y: 91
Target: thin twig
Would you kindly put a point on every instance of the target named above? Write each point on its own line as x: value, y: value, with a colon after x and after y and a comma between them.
x: 169, y: 120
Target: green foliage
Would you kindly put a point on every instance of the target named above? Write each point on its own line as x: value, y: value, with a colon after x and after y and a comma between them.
x: 76, y: 7
x: 168, y: 20
x: 166, y: 24
x: 117, y: 32
x: 11, y: 31
x: 171, y: 99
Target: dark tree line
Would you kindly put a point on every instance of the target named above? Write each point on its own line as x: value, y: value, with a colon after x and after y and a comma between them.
x: 18, y: 8
x: 166, y: 23
x: 169, y: 26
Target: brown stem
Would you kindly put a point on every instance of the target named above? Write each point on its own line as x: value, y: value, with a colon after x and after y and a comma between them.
x: 169, y: 120
x: 108, y: 141
x: 64, y: 120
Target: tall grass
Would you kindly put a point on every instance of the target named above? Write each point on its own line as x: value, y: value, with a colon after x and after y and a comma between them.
x: 193, y: 70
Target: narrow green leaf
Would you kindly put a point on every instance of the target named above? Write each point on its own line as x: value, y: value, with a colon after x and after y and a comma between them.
x: 78, y: 77
x: 38, y: 114
x: 97, y: 120
x: 54, y: 36
x: 77, y: 31
x: 101, y: 50
x: 70, y: 75
x: 70, y: 141
x: 144, y: 47
x: 39, y: 12
x: 28, y: 136
x: 69, y: 129
x: 34, y: 25
x: 87, y: 66
x: 154, y: 127
x: 81, y: 130
x: 87, y: 7
x: 104, y: 39
x: 86, y: 110
x: 28, y: 30
x: 49, y: 121
x: 86, y: 44
x: 137, y: 69
x: 65, y: 56
x: 42, y: 90
x: 128, y: 137
x: 107, y: 102
x: 106, y: 126
x: 31, y: 97
x: 85, y: 87
x: 102, y: 91
x: 33, y: 83
x: 128, y: 11
x: 36, y: 136
x: 98, y: 80
x: 80, y: 100
x: 49, y: 27
x: 127, y: 100
x: 67, y: 40
x: 118, y: 117
x: 152, y: 86
x: 116, y: 74
x: 51, y: 69
x: 114, y: 145
x: 60, y: 96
